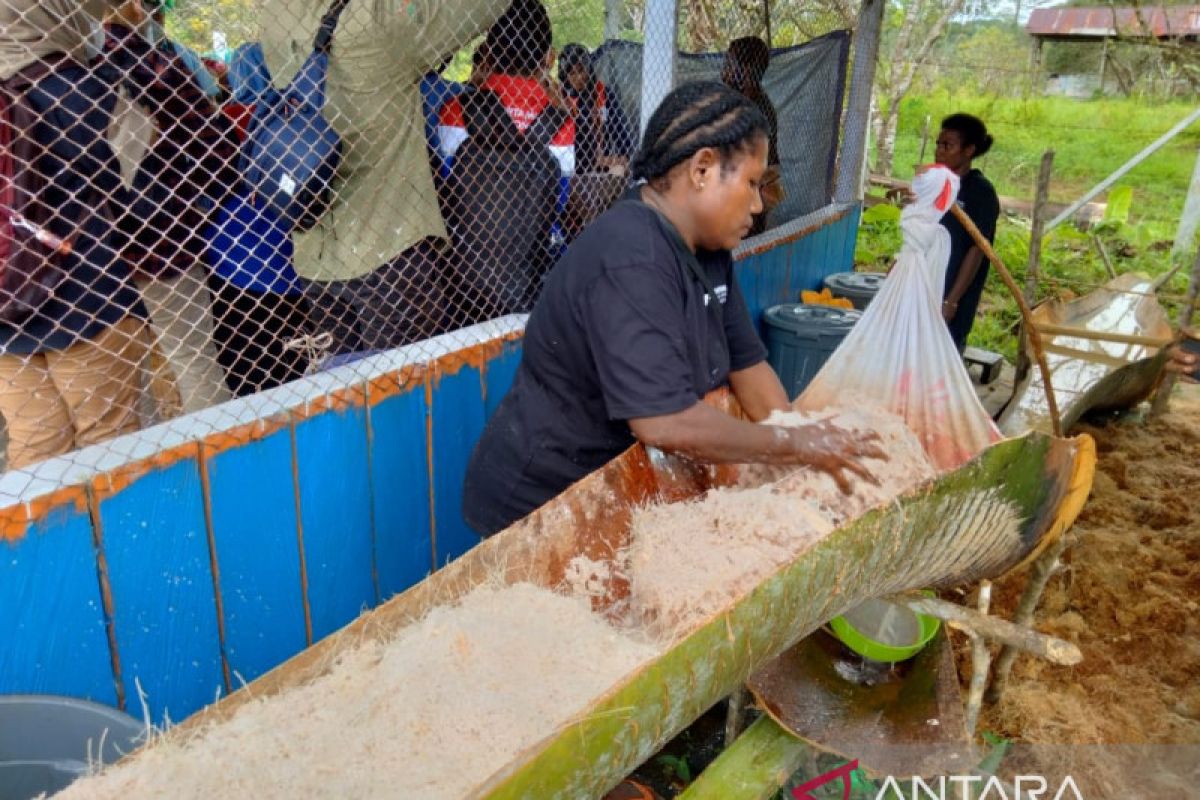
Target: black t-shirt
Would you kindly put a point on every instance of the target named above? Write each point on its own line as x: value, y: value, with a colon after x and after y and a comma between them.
x: 978, y: 199
x: 624, y: 329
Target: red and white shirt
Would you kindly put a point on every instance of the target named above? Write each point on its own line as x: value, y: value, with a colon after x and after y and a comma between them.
x: 524, y: 99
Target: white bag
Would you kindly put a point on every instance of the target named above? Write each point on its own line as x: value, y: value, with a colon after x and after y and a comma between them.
x: 900, y: 355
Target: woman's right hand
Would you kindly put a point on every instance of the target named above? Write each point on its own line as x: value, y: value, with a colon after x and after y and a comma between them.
x: 835, y: 451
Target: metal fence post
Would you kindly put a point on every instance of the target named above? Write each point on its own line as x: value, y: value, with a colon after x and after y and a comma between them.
x: 658, y: 55
x: 1191, y: 215
x: 858, y: 109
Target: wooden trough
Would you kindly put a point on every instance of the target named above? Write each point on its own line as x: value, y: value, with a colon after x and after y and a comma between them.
x: 977, y: 522
x: 1105, y: 350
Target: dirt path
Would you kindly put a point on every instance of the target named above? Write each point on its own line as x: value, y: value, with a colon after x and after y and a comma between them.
x: 1128, y: 595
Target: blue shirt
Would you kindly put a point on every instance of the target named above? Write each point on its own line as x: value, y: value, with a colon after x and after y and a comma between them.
x: 248, y: 247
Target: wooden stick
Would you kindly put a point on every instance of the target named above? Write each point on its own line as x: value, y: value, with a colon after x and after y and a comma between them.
x: 1089, y: 356
x: 1103, y: 251
x: 1050, y: 329
x: 981, y: 660
x: 1035, y: 338
x: 1054, y: 650
x: 735, y: 714
x: 1162, y: 398
x: 1045, y: 566
x: 1033, y: 267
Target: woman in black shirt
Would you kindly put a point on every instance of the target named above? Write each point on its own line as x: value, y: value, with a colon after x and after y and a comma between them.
x: 964, y: 138
x: 640, y: 319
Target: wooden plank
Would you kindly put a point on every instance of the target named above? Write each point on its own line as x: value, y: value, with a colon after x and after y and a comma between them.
x: 257, y: 552
x: 400, y: 484
x: 335, y: 511
x: 1076, y: 332
x: 458, y: 419
x: 51, y: 616
x: 498, y: 374
x: 153, y: 532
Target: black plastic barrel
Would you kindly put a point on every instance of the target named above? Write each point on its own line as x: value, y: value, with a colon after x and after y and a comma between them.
x: 46, y: 741
x: 800, y: 339
x: 857, y: 287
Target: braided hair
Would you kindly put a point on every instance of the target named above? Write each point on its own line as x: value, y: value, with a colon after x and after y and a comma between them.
x: 693, y: 117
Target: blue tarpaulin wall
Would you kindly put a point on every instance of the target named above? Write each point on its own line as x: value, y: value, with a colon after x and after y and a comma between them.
x: 230, y: 540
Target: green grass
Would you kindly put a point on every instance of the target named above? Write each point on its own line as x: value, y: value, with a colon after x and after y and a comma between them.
x: 1091, y: 139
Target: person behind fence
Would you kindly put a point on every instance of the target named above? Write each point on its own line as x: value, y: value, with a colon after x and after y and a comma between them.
x: 371, y: 266
x: 179, y: 156
x: 510, y: 142
x: 641, y: 319
x: 962, y: 139
x: 600, y: 161
x: 745, y: 64
x: 72, y: 338
x: 589, y: 105
x: 258, y: 303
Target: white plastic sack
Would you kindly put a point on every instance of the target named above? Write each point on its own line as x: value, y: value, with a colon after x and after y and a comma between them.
x: 900, y: 355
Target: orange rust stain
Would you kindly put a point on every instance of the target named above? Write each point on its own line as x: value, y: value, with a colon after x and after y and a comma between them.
x: 394, y: 384
x: 339, y: 400
x: 16, y: 519
x: 475, y: 356
x: 221, y: 441
x: 106, y: 595
x: 118, y: 480
x: 429, y: 470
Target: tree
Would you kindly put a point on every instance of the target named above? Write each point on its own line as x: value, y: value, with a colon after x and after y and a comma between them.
x: 913, y: 28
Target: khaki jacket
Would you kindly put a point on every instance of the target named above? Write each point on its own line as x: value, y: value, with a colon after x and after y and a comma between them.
x: 385, y: 198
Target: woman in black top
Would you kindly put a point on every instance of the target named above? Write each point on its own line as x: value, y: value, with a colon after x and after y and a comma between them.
x: 640, y: 319
x: 964, y: 138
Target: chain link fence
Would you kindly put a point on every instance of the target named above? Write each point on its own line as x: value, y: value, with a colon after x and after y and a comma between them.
x: 182, y: 225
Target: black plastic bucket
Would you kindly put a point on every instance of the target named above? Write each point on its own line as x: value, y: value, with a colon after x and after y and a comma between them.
x: 46, y: 741
x: 800, y: 339
x: 857, y: 287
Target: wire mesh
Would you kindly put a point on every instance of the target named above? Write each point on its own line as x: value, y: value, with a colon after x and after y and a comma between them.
x: 178, y: 229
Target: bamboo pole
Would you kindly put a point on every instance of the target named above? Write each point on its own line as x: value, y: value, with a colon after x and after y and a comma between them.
x: 764, y: 759
x: 1035, y: 338
x: 1162, y: 399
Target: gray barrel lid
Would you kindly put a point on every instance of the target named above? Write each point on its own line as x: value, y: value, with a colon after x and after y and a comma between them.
x: 855, y: 282
x: 811, y: 319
